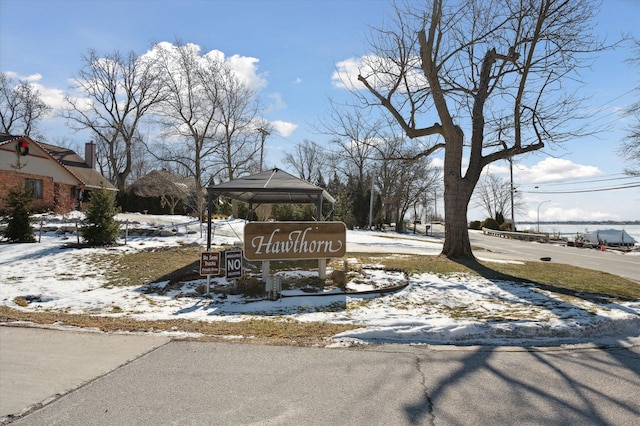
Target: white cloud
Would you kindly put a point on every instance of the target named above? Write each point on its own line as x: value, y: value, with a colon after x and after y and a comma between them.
x: 298, y: 80
x: 276, y: 102
x: 50, y: 95
x: 284, y: 128
x: 554, y: 170
x: 436, y: 162
x: 556, y: 213
x: 245, y: 67
x: 247, y: 70
x: 346, y: 74
x: 496, y: 169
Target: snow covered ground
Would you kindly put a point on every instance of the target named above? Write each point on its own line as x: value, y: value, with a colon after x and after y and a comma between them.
x: 432, y: 309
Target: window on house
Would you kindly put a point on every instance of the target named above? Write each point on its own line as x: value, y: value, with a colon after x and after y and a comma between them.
x: 33, y: 187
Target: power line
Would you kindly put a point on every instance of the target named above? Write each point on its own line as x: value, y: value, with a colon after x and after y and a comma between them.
x: 586, y: 181
x: 634, y: 185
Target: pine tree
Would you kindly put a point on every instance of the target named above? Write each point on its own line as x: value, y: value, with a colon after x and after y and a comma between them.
x: 100, y: 226
x: 19, y: 228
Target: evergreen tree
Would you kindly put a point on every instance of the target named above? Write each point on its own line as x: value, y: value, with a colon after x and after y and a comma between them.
x: 100, y: 226
x: 19, y: 228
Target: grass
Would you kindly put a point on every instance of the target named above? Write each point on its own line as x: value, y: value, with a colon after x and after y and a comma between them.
x: 152, y: 265
x: 176, y: 264
x: 286, y: 332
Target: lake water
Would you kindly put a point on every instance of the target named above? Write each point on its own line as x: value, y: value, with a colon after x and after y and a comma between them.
x: 569, y: 231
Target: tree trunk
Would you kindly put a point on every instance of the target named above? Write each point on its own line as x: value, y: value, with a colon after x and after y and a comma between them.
x: 457, y: 193
x: 456, y: 202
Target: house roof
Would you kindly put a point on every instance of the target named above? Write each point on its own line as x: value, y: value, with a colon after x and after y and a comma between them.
x: 90, y: 177
x: 69, y: 160
x: 157, y: 181
x: 270, y: 187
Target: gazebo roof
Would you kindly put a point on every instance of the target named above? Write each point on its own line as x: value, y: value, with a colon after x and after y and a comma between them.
x: 271, y: 187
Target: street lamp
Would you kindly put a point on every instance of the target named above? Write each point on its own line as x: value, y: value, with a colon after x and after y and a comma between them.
x: 546, y: 201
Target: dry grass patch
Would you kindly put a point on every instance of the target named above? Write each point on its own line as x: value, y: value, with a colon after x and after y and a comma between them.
x: 286, y: 332
x: 152, y: 265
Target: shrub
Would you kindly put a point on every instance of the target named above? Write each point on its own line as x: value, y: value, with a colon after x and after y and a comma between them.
x: 505, y: 226
x: 475, y: 224
x: 19, y: 228
x: 490, y: 223
x: 100, y: 226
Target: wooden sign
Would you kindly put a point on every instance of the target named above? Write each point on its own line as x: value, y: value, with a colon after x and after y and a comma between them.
x: 209, y: 263
x: 294, y: 240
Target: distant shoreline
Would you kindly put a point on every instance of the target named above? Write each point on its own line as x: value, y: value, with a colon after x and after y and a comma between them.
x: 581, y: 222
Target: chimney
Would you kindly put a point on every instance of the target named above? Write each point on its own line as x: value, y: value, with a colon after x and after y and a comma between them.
x: 90, y: 154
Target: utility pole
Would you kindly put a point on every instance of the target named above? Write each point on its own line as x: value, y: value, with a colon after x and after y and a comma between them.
x: 371, y: 205
x: 512, y: 189
x: 264, y: 134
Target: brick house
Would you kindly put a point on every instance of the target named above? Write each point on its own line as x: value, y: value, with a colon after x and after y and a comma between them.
x: 57, y: 177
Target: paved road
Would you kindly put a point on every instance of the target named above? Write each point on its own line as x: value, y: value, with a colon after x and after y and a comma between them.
x: 607, y: 261
x: 183, y: 382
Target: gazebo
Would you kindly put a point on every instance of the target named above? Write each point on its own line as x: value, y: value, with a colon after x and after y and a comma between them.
x: 270, y: 187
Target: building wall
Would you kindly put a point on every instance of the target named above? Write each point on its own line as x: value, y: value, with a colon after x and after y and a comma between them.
x: 56, y: 197
x: 58, y: 184
x: 37, y: 162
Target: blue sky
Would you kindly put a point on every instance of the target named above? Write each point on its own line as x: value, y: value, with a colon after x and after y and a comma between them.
x: 297, y: 45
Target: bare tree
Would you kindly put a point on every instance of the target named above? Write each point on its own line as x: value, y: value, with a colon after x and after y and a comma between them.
x: 630, y: 148
x: 355, y: 136
x: 187, y: 115
x: 119, y: 91
x: 477, y: 64
x: 237, y: 109
x: 309, y: 161
x: 401, y: 183
x: 20, y: 106
x: 208, y: 116
x: 493, y: 193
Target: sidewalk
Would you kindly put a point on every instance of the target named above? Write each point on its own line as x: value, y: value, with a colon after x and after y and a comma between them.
x: 37, y: 365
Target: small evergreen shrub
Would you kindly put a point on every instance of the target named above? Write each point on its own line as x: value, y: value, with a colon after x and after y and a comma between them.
x: 100, y: 226
x: 19, y: 228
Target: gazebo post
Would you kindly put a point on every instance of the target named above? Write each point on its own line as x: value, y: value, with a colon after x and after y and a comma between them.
x: 268, y: 282
x: 322, y: 263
